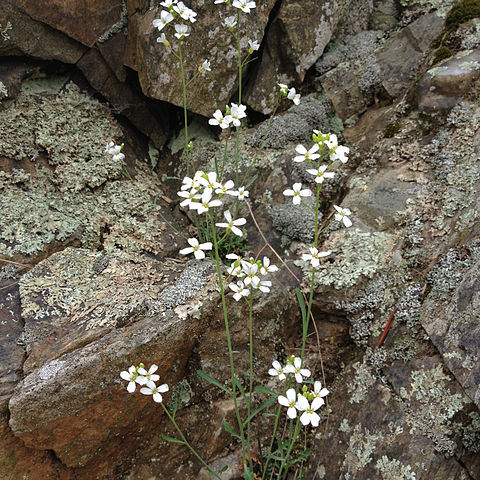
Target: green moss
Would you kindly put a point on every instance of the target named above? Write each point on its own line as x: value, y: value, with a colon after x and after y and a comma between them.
x: 462, y: 12
x: 392, y: 129
x: 441, y: 54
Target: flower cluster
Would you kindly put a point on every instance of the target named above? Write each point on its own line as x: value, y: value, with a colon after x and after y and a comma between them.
x: 233, y: 115
x: 249, y: 273
x: 293, y: 366
x: 244, y: 6
x: 146, y: 379
x: 115, y: 151
x: 289, y: 93
x: 307, y: 402
x: 175, y: 10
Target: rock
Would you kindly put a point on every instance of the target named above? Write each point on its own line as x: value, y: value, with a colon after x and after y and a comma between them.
x: 22, y: 36
x: 159, y: 71
x: 403, y: 53
x: 71, y: 17
x: 123, y: 98
x: 444, y: 85
x: 294, y: 42
x: 113, y: 51
x: 384, y: 15
x: 451, y: 322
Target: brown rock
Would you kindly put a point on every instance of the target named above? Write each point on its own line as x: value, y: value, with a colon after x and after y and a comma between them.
x: 83, y: 21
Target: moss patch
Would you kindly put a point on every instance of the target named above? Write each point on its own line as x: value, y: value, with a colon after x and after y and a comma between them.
x: 462, y: 12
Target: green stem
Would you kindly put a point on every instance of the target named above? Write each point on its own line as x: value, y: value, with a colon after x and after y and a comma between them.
x: 290, y: 447
x: 229, y: 341
x: 275, y: 427
x: 185, y: 119
x: 249, y: 403
x: 185, y: 441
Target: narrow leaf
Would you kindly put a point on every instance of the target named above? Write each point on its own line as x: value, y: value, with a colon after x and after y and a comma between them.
x: 210, y: 379
x: 224, y: 469
x: 263, y: 406
x: 230, y: 429
x: 267, y: 391
x: 172, y: 440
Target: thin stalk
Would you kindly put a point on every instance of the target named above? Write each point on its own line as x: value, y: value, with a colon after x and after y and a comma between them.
x: 185, y: 119
x: 250, y: 390
x: 290, y: 447
x: 237, y: 137
x: 229, y: 341
x: 185, y: 441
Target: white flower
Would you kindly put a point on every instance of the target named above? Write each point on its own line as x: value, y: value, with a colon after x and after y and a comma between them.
x: 109, y: 148
x: 320, y: 174
x: 230, y: 22
x: 165, y: 19
x: 297, y: 370
x: 266, y: 267
x: 235, y: 269
x: 205, y: 67
x: 277, y: 371
x: 236, y: 113
x: 209, y: 181
x: 253, y: 46
x: 151, y: 389
x: 150, y: 377
x: 250, y: 270
x: 297, y: 193
x: 264, y: 286
x: 240, y: 290
x: 163, y: 39
x: 306, y: 154
x: 168, y: 3
x: 220, y: 120
x: 232, y: 224
x: 181, y: 31
x: 118, y: 156
x: 340, y: 153
x: 241, y: 193
x: 332, y: 141
x: 319, y: 392
x: 243, y: 5
x: 133, y: 378
x: 289, y: 401
x: 205, y: 203
x: 309, y: 415
x: 189, y: 197
x: 314, y: 256
x: 283, y: 89
x: 225, y: 188
x: 342, y: 215
x: 196, y: 248
x: 189, y: 183
x: 293, y: 96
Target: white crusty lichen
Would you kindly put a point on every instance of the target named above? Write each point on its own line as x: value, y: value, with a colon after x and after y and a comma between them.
x: 394, y: 470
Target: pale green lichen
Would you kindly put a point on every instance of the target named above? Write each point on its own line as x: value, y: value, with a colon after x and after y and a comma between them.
x: 470, y: 66
x: 3, y: 91
x: 118, y: 26
x: 4, y: 31
x: 435, y: 406
x: 435, y: 70
x: 357, y: 254
x: 361, y: 446
x: 180, y: 396
x: 471, y: 434
x: 361, y: 383
x: 394, y: 470
x: 344, y: 426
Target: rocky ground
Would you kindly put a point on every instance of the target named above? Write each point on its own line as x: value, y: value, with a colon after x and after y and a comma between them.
x: 91, y: 280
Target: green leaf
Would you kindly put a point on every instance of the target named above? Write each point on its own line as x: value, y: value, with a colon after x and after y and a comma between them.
x: 230, y: 429
x: 172, y: 440
x: 237, y: 382
x: 210, y: 379
x: 224, y: 469
x: 267, y: 391
x: 263, y: 406
x: 251, y: 180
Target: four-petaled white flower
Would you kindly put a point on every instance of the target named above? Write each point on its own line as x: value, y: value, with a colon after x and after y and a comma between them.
x: 283, y: 89
x: 219, y: 119
x: 296, y: 192
x: 290, y: 401
x: 244, y: 6
x: 133, y: 378
x: 277, y: 371
x: 342, y: 215
x: 297, y: 370
x: 185, y: 12
x: 293, y: 96
x: 240, y: 290
x: 319, y: 392
x: 205, y: 67
x: 236, y: 113
x: 309, y: 415
x: 152, y: 389
x: 241, y: 193
x: 266, y: 267
x: 205, y: 202
x: 181, y: 31
x: 118, y: 156
x: 264, y: 286
x: 209, y: 181
x: 190, y: 197
x: 165, y: 19
x: 163, y: 39
x: 321, y: 174
x: 306, y: 154
x: 340, y: 153
x: 150, y: 374
x: 332, y: 141
x: 251, y: 270
x: 314, y: 256
x: 225, y: 188
x: 232, y: 224
x: 253, y: 46
x: 230, y: 22
x: 168, y: 3
x: 109, y: 148
x: 196, y: 248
